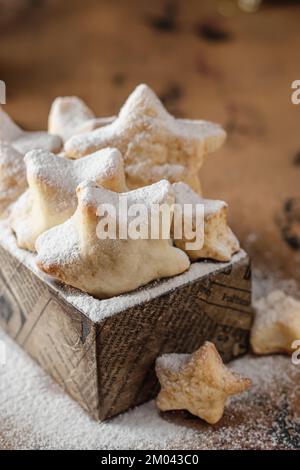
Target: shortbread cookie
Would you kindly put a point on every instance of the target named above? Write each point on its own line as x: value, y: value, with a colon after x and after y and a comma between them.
x: 276, y: 325
x: 12, y: 176
x: 93, y: 124
x: 144, y: 173
x: 69, y: 116
x: 219, y: 241
x: 75, y: 254
x: 198, y: 382
x: 149, y: 137
x: 51, y: 198
x: 25, y: 141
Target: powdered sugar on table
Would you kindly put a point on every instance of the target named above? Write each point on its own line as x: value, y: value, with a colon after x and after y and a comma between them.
x: 36, y: 414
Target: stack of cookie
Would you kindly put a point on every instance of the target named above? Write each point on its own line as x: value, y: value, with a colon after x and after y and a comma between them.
x: 85, y: 162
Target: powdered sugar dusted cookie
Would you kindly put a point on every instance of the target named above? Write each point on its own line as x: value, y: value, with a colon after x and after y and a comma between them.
x: 198, y: 382
x: 69, y: 115
x: 145, y: 133
x: 144, y: 173
x: 12, y: 176
x: 51, y: 198
x: 277, y: 323
x: 25, y: 141
x: 14, y: 144
x: 104, y: 267
x: 219, y: 241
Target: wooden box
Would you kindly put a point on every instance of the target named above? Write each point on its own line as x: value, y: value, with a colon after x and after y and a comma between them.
x: 103, y: 352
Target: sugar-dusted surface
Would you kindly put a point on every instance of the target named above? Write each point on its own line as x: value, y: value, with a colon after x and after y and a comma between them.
x: 65, y: 175
x: 143, y: 115
x: 97, y: 310
x: 173, y: 361
x: 13, y: 177
x: 25, y: 141
x: 274, y: 307
x: 185, y: 195
x: 37, y: 414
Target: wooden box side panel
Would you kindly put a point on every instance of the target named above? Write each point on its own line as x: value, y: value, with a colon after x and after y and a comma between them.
x: 57, y: 336
x: 216, y: 308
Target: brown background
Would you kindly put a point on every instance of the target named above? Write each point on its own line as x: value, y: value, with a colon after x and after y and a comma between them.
x: 237, y: 71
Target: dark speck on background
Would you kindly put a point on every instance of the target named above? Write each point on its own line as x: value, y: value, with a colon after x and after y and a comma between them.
x: 296, y: 159
x: 203, y: 67
x: 167, y: 21
x: 244, y: 120
x: 289, y: 223
x: 171, y: 96
x: 213, y: 31
x: 118, y: 79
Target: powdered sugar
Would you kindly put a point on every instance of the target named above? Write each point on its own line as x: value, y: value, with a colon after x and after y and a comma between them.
x: 12, y: 175
x: 37, y: 140
x: 25, y: 141
x: 66, y: 174
x: 36, y: 414
x: 66, y: 115
x: 185, y: 195
x: 9, y: 131
x: 275, y: 306
x: 173, y: 362
x: 52, y: 189
x: 154, y: 194
x: 146, y: 133
x: 144, y: 98
x: 266, y: 282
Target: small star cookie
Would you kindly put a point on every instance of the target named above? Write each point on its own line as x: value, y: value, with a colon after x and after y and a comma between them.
x: 12, y: 176
x: 153, y: 143
x: 198, y: 382
x: 219, y: 241
x: 108, y: 266
x: 25, y: 141
x: 276, y: 325
x: 51, y: 197
x: 69, y: 116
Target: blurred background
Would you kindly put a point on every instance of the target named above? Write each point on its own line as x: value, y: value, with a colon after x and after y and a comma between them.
x: 227, y: 61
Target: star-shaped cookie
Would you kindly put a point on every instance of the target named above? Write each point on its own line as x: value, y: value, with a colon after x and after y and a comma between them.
x: 12, y: 176
x: 25, y: 141
x: 276, y: 325
x: 153, y: 143
x: 198, y: 382
x: 69, y: 116
x: 51, y: 197
x: 219, y: 241
x: 107, y: 266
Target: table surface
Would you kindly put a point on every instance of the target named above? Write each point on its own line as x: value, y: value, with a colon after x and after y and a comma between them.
x: 237, y: 71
